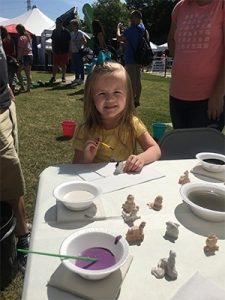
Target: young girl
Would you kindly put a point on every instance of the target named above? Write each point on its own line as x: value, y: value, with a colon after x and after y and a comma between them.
x: 111, y: 130
x: 25, y: 55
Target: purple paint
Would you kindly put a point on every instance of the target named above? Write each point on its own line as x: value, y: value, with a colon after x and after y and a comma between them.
x: 105, y: 259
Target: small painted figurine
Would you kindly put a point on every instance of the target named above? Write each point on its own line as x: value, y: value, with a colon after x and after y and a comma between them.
x: 184, y: 178
x: 132, y: 216
x: 172, y: 230
x: 166, y: 266
x: 211, y: 244
x: 157, y: 204
x: 136, y: 233
x: 129, y: 205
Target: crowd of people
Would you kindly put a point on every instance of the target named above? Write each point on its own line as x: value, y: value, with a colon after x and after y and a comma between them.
x: 112, y: 91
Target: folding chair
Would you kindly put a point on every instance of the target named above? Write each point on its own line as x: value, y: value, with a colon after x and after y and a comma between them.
x: 186, y: 143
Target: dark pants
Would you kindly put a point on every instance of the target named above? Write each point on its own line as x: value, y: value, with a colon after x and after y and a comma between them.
x: 78, y: 65
x: 193, y: 114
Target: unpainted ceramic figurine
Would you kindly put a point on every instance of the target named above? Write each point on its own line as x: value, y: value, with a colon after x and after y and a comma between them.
x: 157, y: 204
x: 184, y: 178
x: 166, y: 266
x: 129, y: 205
x: 119, y: 168
x: 211, y: 244
x: 172, y: 230
x: 132, y: 216
x: 136, y: 233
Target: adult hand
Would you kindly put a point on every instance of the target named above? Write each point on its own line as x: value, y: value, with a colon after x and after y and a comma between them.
x: 133, y: 164
x: 215, y: 106
x: 90, y: 149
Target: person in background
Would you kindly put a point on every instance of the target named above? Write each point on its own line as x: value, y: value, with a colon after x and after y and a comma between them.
x: 60, y: 48
x: 197, y: 43
x: 111, y: 131
x: 10, y: 52
x: 11, y: 176
x: 99, y: 37
x: 132, y: 37
x: 77, y: 43
x: 24, y: 55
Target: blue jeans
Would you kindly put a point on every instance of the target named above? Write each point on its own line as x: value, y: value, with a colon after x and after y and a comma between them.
x: 78, y: 65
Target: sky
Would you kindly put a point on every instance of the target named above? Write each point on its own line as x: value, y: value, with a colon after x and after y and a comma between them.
x: 51, y: 8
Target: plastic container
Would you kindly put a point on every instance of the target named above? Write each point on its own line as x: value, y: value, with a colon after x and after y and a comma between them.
x: 158, y: 130
x: 8, y: 256
x: 68, y: 127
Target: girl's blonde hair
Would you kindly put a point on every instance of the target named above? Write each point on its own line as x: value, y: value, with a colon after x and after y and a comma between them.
x: 92, y: 118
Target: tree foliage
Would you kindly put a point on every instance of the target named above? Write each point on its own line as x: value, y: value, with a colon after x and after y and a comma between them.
x: 110, y: 13
x: 156, y: 16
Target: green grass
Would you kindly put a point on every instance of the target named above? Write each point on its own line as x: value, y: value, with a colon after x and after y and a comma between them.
x: 39, y: 115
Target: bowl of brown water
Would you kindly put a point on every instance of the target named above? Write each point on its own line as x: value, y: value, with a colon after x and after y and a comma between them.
x: 206, y: 200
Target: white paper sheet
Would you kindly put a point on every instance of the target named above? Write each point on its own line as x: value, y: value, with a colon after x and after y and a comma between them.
x: 120, y: 181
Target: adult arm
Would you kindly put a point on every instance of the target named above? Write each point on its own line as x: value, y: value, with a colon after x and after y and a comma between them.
x: 171, y: 40
x: 120, y: 37
x: 216, y: 102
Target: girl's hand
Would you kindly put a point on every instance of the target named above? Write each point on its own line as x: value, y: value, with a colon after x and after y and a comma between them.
x: 133, y: 164
x: 90, y: 149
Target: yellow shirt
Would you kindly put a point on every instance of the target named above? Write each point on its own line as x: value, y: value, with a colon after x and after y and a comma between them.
x: 119, y: 139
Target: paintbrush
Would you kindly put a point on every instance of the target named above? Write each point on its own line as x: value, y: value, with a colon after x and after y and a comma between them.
x: 83, y: 258
x: 106, y: 145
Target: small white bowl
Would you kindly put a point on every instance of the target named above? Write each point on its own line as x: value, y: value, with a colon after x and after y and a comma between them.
x: 211, y: 211
x: 87, y: 238
x: 76, y: 195
x: 211, y: 167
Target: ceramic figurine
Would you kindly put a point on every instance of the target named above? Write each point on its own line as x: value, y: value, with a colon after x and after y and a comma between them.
x: 172, y: 230
x: 157, y: 204
x: 170, y: 267
x: 119, y: 168
x: 160, y: 270
x: 166, y: 266
x: 129, y: 205
x: 135, y: 233
x: 132, y: 216
x: 184, y: 178
x: 211, y: 244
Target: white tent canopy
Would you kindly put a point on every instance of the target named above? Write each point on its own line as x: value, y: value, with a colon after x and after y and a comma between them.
x: 2, y: 19
x: 33, y: 20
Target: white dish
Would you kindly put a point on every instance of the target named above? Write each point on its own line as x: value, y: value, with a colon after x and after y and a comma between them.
x: 77, y: 195
x: 211, y: 167
x: 211, y: 211
x: 87, y: 238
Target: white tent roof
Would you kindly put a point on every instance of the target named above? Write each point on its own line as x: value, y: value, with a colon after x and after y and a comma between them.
x: 33, y: 20
x: 2, y: 19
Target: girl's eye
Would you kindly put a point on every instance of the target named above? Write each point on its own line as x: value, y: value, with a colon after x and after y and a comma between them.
x: 100, y: 94
x: 118, y: 92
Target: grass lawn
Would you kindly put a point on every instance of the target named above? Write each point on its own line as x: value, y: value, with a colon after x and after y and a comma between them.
x: 39, y: 115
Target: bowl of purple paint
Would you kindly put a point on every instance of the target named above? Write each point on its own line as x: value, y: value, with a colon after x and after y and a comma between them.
x: 109, y: 249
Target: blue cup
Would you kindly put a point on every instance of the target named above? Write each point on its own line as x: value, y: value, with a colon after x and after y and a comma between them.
x: 158, y: 130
